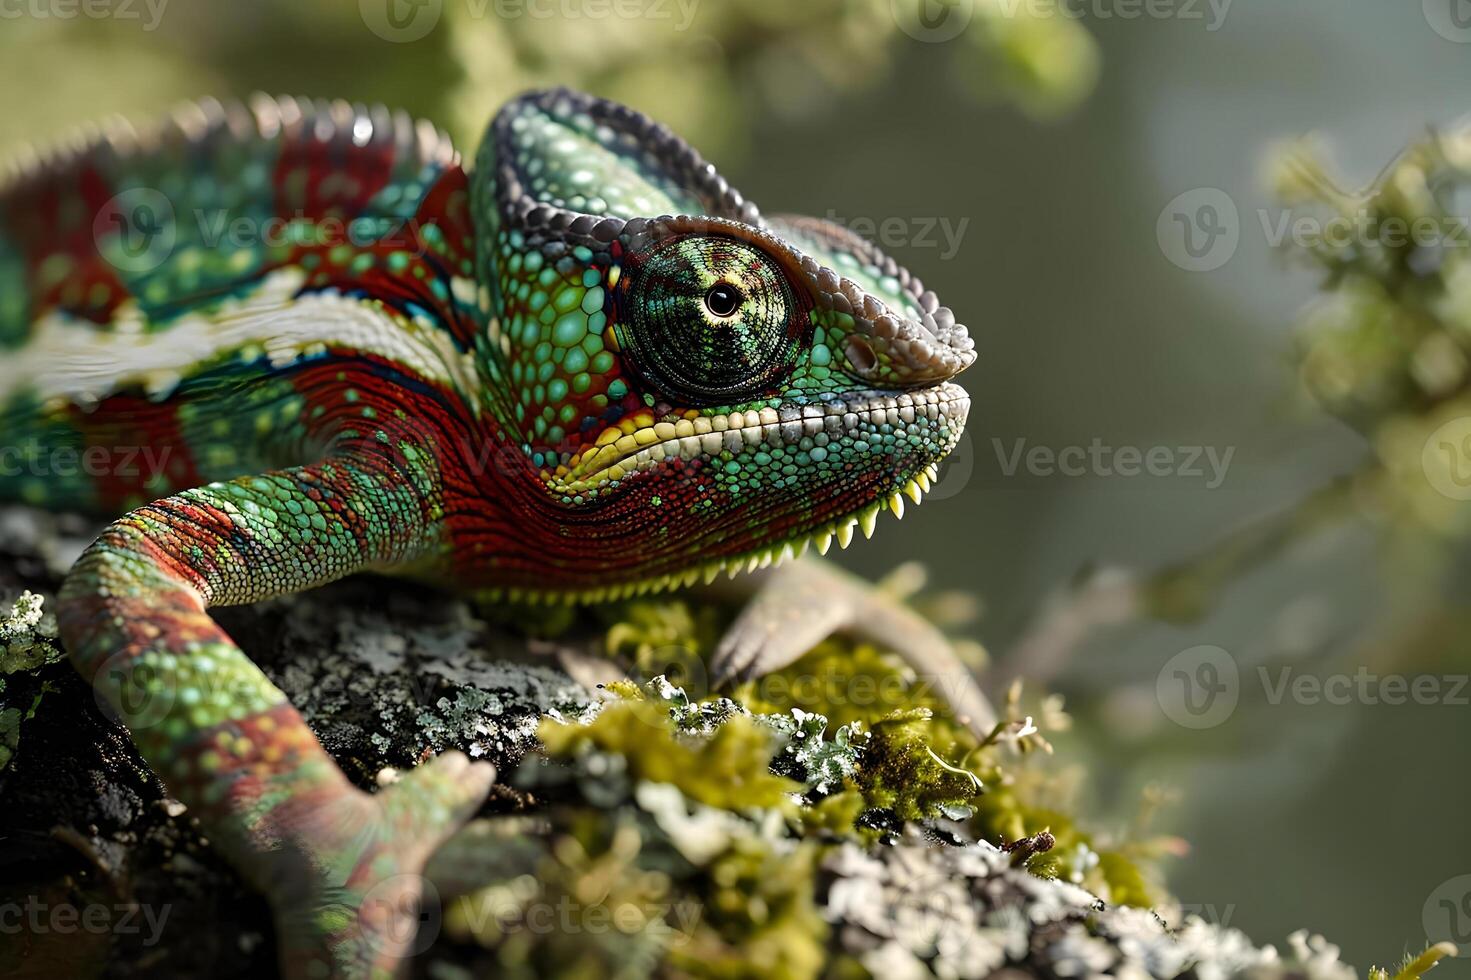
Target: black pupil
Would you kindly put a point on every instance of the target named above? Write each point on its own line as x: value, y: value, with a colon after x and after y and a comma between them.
x: 723, y: 299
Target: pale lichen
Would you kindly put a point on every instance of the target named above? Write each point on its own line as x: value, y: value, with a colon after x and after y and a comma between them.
x: 28, y: 642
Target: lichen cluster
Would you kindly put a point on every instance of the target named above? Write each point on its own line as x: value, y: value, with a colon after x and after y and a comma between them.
x: 27, y: 642
x: 700, y: 838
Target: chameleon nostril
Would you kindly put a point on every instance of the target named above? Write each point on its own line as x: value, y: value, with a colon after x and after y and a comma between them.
x: 860, y: 355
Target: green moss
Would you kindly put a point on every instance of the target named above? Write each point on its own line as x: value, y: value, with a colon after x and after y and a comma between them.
x: 1122, y: 875
x: 761, y: 919
x: 850, y: 682
x: 905, y: 775
x: 728, y: 770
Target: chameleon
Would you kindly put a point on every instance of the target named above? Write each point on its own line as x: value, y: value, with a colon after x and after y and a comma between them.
x: 279, y: 341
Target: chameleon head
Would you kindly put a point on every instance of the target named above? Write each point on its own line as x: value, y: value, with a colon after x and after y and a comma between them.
x: 696, y: 386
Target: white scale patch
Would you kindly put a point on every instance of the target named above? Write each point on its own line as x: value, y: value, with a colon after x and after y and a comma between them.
x: 68, y: 359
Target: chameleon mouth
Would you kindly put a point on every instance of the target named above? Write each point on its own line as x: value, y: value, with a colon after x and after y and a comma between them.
x: 620, y: 453
x: 943, y: 409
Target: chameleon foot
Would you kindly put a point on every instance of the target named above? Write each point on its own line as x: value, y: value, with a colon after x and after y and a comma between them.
x: 348, y: 888
x: 803, y: 602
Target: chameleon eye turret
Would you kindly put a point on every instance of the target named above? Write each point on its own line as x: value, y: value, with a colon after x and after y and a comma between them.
x: 709, y: 320
x: 722, y: 386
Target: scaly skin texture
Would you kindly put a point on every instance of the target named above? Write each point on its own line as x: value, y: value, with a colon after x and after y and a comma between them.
x: 318, y: 345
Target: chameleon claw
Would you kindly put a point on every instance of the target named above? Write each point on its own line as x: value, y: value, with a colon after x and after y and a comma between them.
x: 801, y: 604
x: 348, y: 899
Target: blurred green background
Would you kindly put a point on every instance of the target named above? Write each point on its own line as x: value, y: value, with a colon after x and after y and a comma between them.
x: 1028, y: 162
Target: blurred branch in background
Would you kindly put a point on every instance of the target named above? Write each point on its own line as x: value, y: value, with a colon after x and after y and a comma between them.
x: 1386, y: 348
x: 1180, y: 593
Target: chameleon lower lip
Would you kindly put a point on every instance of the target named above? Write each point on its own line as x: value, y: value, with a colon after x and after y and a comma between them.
x: 783, y: 426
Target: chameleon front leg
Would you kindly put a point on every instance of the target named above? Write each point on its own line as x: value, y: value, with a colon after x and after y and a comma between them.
x: 799, y: 604
x: 341, y: 867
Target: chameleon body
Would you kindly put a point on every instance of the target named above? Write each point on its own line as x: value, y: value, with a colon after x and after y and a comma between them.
x: 291, y: 340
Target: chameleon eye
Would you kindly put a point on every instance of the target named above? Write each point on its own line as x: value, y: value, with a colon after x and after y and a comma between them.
x: 709, y: 320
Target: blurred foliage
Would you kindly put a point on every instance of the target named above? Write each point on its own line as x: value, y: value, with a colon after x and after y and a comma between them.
x: 710, y: 70
x: 1389, y: 336
x: 1386, y: 346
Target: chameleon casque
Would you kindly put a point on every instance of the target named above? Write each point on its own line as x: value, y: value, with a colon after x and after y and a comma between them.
x: 583, y: 368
